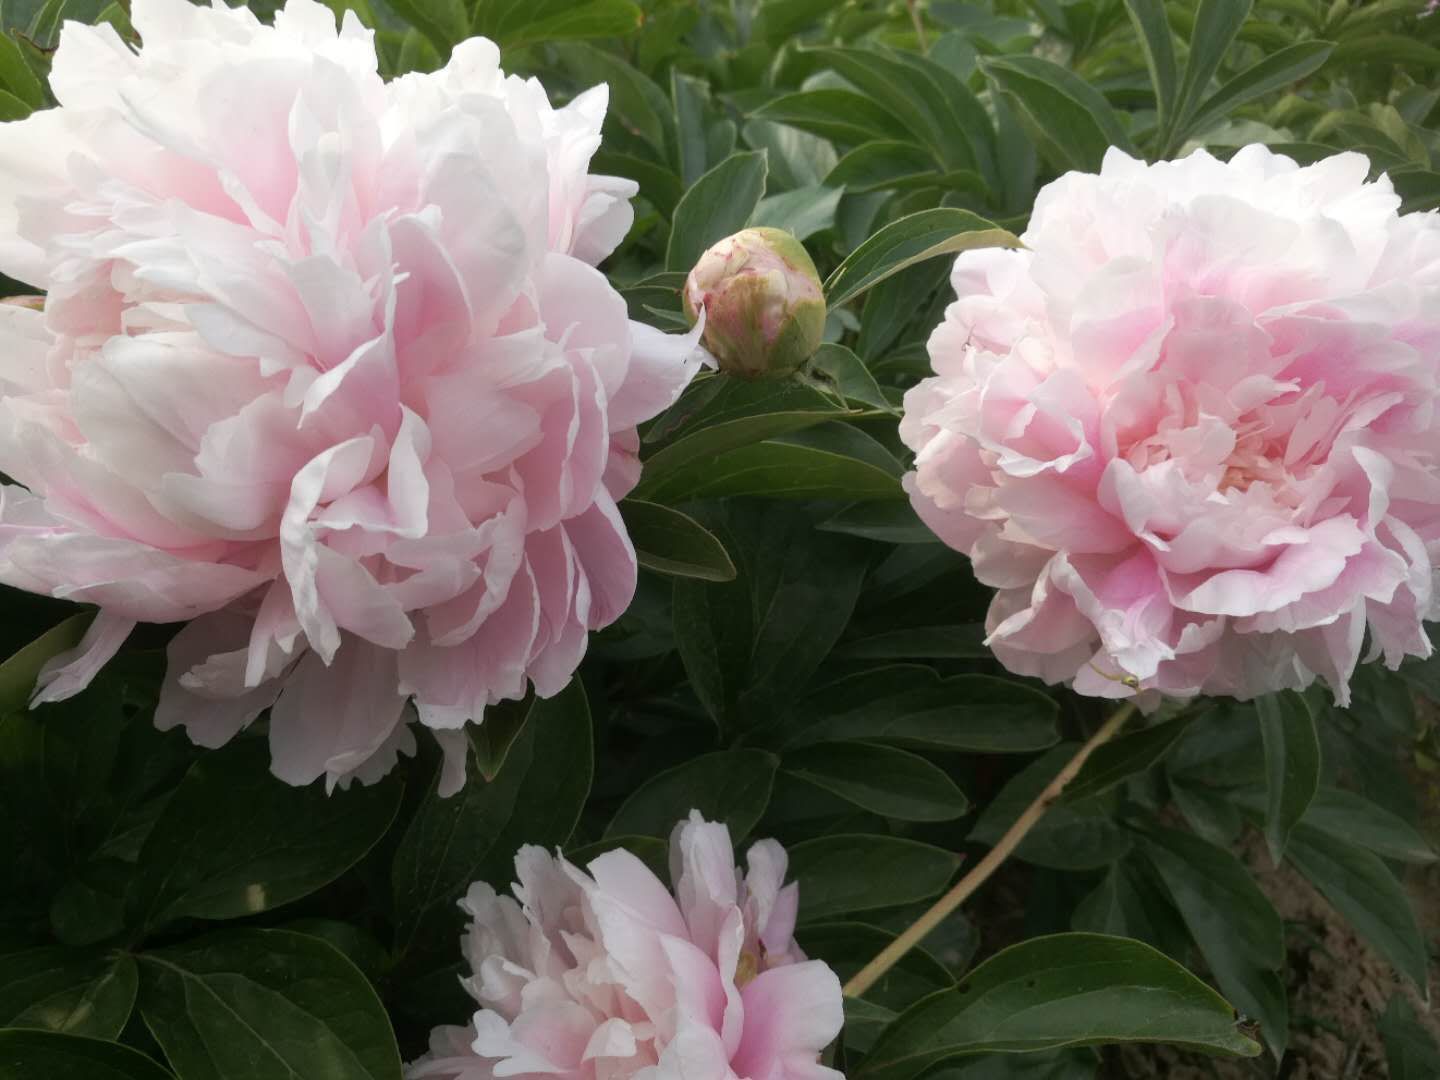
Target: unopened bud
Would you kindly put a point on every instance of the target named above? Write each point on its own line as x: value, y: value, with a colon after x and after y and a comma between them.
x: 764, y: 308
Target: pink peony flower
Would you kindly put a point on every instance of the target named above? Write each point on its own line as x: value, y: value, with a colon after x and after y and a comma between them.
x: 606, y: 975
x: 1190, y: 434
x: 324, y: 367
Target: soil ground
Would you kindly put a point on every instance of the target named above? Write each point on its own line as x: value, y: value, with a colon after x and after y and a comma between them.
x: 1339, y: 985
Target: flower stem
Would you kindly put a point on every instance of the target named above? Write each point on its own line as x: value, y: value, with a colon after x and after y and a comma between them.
x: 919, y: 24
x: 891, y: 954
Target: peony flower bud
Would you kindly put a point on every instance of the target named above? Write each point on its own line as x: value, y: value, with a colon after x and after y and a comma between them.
x: 764, y: 309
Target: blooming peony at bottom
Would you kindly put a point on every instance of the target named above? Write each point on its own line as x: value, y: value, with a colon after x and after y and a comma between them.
x: 325, y: 369
x: 1190, y: 430
x: 605, y: 975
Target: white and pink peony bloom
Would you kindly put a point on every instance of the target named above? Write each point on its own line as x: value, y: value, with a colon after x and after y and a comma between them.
x: 606, y: 975
x: 1190, y: 431
x: 324, y: 366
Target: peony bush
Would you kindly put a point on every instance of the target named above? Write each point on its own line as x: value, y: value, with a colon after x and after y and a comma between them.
x: 634, y: 540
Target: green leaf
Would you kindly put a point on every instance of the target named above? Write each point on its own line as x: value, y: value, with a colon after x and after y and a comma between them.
x: 90, y: 906
x: 1075, y: 121
x: 1118, y: 760
x: 730, y: 786
x: 1410, y: 1050
x: 491, y: 740
x: 691, y: 98
x: 959, y: 111
x: 18, y: 673
x: 669, y: 542
x: 884, y: 163
x: 911, y: 706
x: 232, y: 841
x: 1129, y: 904
x: 1216, y: 24
x: 635, y: 100
x: 1236, y: 928
x: 796, y: 158
x: 718, y: 204
x: 1078, y: 835
x: 911, y: 96
x: 445, y: 23
x: 734, y: 414
x: 46, y: 1055
x: 1274, y: 72
x: 886, y: 781
x: 660, y: 185
x: 849, y: 946
x: 841, y: 875
x: 756, y: 409
x: 1157, y: 43
x: 474, y: 834
x: 1364, y: 891
x: 263, y: 1004
x: 886, y: 522
x: 802, y: 212
x: 1355, y: 820
x: 74, y: 991
x: 963, y: 642
x: 749, y: 646
x: 841, y: 115
x: 513, y: 24
x: 829, y: 461
x: 1292, y: 763
x: 909, y: 240
x: 17, y: 75
x: 1420, y: 188
x: 841, y: 369
x: 1052, y: 992
x: 1386, y: 49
